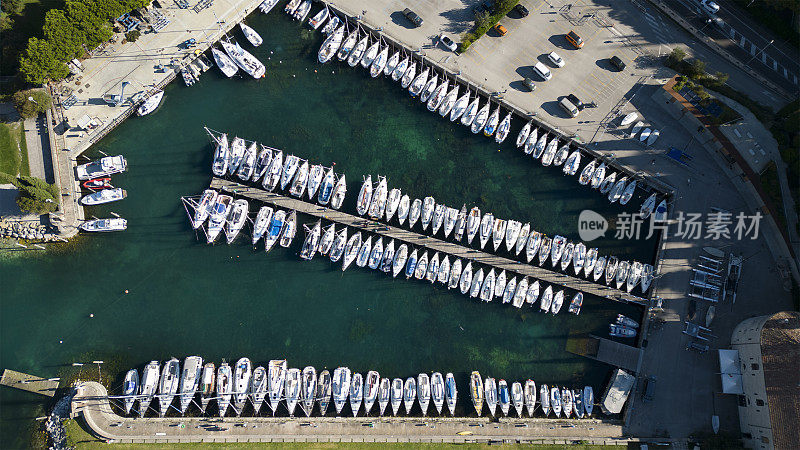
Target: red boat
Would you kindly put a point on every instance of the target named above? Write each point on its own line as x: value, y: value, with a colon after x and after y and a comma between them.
x: 98, y: 183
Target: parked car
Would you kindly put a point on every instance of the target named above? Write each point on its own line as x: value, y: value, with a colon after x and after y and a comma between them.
x: 521, y: 10
x: 618, y: 63
x: 555, y: 59
x: 569, y: 107
x: 413, y: 17
x: 649, y: 389
x: 542, y: 71
x: 574, y: 39
x: 447, y: 42
x: 576, y: 101
x: 501, y: 30
x: 530, y: 84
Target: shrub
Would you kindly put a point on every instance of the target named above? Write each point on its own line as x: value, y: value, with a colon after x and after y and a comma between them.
x: 484, y: 21
x: 27, y: 108
x: 696, y: 69
x: 676, y: 56
x: 36, y: 196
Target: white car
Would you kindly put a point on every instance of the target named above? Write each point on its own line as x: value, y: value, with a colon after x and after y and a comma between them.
x: 447, y: 42
x: 710, y: 7
x: 555, y: 59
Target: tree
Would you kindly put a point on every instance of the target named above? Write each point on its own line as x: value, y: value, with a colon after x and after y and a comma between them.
x: 132, y: 36
x: 36, y: 196
x: 27, y: 108
x: 64, y: 38
x: 677, y: 55
x: 38, y: 63
x: 696, y: 69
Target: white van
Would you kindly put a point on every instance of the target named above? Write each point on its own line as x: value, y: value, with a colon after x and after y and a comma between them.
x: 569, y: 107
x: 542, y: 71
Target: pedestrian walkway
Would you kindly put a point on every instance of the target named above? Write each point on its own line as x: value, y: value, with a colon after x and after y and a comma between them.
x: 38, y: 143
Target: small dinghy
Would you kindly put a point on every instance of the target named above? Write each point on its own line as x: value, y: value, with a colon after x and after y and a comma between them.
x: 251, y: 35
x: 319, y: 18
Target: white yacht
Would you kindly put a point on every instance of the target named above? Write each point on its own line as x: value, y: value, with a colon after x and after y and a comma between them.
x: 168, y: 386
x: 190, y: 380
x: 225, y: 63
x: 104, y: 196
x: 151, y: 103
x: 103, y: 167
x: 247, y: 62
x: 251, y: 35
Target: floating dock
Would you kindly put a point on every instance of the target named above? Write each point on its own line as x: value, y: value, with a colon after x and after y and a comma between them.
x: 30, y: 383
x: 431, y: 243
x: 605, y: 350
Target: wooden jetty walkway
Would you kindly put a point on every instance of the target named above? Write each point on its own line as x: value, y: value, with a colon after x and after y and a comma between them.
x: 431, y: 243
x: 605, y: 350
x: 30, y: 383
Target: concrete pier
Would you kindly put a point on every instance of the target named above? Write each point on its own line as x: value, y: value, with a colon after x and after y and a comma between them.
x: 91, y: 402
x: 418, y: 240
x: 607, y: 351
x: 30, y: 383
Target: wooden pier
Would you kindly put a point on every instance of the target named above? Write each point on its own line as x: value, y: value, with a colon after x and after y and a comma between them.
x: 30, y: 383
x: 431, y: 243
x: 605, y: 350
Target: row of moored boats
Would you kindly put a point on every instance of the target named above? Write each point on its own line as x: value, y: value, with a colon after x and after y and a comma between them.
x: 278, y: 385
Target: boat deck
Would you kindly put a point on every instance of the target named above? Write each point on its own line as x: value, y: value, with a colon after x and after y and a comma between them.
x: 30, y: 383
x: 431, y: 243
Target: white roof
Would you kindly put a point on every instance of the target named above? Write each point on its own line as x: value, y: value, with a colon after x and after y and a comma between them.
x: 618, y: 391
x: 84, y: 121
x: 730, y: 373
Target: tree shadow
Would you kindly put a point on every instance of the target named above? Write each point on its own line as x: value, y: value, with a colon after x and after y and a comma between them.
x: 458, y: 20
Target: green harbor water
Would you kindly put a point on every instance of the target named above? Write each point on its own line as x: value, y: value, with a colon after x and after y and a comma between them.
x: 228, y: 301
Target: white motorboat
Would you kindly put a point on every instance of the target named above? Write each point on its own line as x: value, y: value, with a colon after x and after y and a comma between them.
x: 339, y: 192
x: 219, y: 166
x: 520, y: 292
x: 532, y: 295
x: 587, y: 172
x: 130, y: 389
x: 292, y: 6
x: 151, y: 103
x: 238, y: 149
x: 149, y: 383
x: 399, y: 260
x: 267, y: 5
x: 219, y: 214
x: 378, y: 201
x: 292, y: 389
x: 311, y: 244
x: 247, y: 62
x: 437, y: 391
x: 487, y: 289
x: 490, y: 391
x: 428, y: 206
x: 503, y: 129
x: 262, y: 164
x: 424, y: 392
x: 429, y: 89
x: 418, y: 83
x: 480, y: 119
x: 341, y: 387
x: 241, y: 383
x: 289, y: 230
x: 274, y: 173
x: 300, y: 182
x: 251, y: 35
x: 376, y: 255
x: 331, y: 44
x: 459, y: 107
x: 275, y: 228
x: 102, y: 167
x: 391, y: 64
x: 550, y: 152
x: 532, y: 246
x: 616, y: 192
x: 477, y: 284
x: 351, y: 250
x: 356, y: 393
x: 371, y: 389
x: 364, y: 196
x: 348, y: 45
x: 499, y: 232
x: 276, y: 381
x: 236, y: 219
x: 248, y: 164
x: 104, y: 196
x: 190, y: 380
x: 487, y: 225
x: 409, y: 393
x: 439, y: 213
x: 530, y: 397
x: 491, y: 123
x: 379, y: 64
x: 318, y: 19
x: 225, y: 388
x: 598, y: 176
x: 168, y: 385
x: 301, y: 12
x: 408, y: 76
x: 370, y: 54
x: 627, y: 194
x: 224, y: 62
x: 465, y: 282
x: 258, y: 388
x: 512, y: 233
x: 608, y: 183
x: 308, y: 389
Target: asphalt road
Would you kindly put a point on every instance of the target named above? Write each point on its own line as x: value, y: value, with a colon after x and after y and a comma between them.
x: 745, y: 41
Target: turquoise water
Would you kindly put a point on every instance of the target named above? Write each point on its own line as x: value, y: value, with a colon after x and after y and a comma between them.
x: 223, y: 301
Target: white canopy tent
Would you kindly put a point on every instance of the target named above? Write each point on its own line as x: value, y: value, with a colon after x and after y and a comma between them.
x: 730, y: 372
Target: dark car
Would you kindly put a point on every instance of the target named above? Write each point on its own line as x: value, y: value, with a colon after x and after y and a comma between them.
x: 521, y: 10
x: 649, y: 389
x: 618, y: 63
x: 413, y: 17
x: 575, y: 101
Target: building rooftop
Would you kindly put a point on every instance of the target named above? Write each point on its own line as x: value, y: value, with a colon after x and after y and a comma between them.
x: 780, y: 354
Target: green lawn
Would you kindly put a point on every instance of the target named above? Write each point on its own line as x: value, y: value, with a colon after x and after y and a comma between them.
x: 13, y: 149
x: 81, y: 440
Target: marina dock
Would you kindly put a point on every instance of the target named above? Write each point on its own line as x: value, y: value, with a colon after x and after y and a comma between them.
x: 30, y: 383
x: 607, y: 351
x: 431, y: 243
